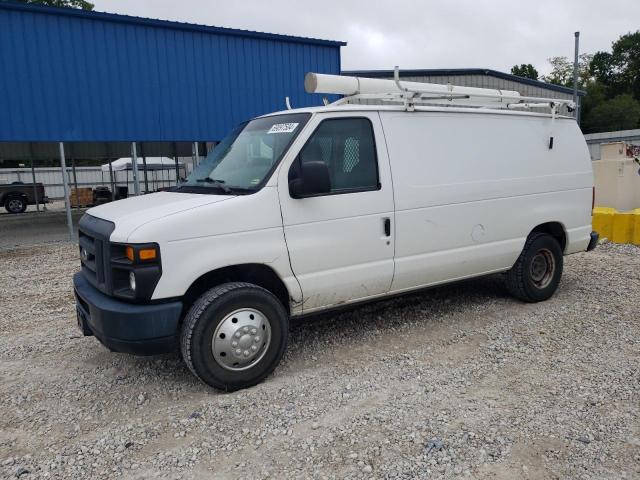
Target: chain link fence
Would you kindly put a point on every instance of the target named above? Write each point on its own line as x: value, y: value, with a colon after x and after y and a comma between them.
x: 92, y: 177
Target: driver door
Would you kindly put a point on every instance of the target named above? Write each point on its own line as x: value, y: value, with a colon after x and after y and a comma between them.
x: 341, y: 242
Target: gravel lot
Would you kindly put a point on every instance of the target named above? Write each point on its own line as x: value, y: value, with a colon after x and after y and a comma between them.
x: 27, y: 229
x: 457, y: 381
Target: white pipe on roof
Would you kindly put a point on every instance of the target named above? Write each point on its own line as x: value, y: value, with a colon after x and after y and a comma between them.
x: 341, y: 85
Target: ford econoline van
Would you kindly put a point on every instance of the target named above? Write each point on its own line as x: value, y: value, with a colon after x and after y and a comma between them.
x: 312, y: 209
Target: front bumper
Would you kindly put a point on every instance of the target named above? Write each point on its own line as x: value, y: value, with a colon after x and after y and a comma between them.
x: 594, y: 241
x: 124, y: 327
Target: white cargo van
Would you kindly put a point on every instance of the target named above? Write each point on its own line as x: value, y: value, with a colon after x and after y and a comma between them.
x: 311, y: 209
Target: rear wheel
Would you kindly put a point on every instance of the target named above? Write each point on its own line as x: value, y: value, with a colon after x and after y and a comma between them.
x: 536, y: 274
x: 15, y: 205
x: 234, y: 335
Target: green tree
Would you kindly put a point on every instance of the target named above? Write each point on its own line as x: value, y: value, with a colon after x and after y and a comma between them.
x: 625, y: 64
x: 620, y: 69
x: 601, y: 68
x: 62, y: 3
x: 596, y: 94
x: 562, y: 71
x: 613, y: 92
x: 525, y: 70
x: 620, y: 113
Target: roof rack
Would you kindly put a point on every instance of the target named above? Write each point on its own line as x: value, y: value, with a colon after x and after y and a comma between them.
x: 411, y: 94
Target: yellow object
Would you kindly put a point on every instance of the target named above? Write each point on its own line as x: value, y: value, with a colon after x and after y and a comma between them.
x: 147, y: 254
x: 129, y: 253
x: 636, y: 227
x: 619, y: 227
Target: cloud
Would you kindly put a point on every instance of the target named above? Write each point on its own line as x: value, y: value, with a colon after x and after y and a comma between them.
x: 417, y: 34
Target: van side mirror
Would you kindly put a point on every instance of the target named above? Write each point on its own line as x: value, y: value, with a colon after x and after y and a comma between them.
x: 313, y: 180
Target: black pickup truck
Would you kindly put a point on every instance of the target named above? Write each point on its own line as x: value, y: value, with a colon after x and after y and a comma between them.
x: 16, y: 196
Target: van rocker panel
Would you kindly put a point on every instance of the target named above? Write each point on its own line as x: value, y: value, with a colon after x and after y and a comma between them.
x: 124, y: 327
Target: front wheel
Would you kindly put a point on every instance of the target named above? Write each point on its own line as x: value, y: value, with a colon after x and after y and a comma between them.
x: 536, y: 274
x: 234, y: 335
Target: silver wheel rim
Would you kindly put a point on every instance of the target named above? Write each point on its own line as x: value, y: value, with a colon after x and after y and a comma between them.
x: 543, y: 267
x: 241, y: 339
x: 15, y: 205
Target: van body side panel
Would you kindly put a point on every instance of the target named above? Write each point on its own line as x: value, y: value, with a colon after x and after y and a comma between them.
x: 578, y: 239
x: 470, y: 187
x: 243, y: 229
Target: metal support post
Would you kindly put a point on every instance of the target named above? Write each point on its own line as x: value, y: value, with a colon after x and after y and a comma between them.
x: 35, y: 187
x: 75, y: 181
x: 113, y: 187
x: 146, y: 178
x: 175, y: 157
x: 65, y: 185
x: 134, y: 168
x: 195, y: 156
x: 575, y: 77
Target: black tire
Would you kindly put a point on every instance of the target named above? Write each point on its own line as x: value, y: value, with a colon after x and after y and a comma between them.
x: 526, y: 279
x: 15, y: 204
x: 209, y: 311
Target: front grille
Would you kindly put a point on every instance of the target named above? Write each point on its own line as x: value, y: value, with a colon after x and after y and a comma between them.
x: 93, y: 239
x: 88, y: 253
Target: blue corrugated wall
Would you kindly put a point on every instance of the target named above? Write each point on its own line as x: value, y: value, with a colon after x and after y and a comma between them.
x: 69, y: 75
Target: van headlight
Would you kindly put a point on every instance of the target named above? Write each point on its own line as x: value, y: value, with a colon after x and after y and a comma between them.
x: 136, y: 269
x: 132, y: 282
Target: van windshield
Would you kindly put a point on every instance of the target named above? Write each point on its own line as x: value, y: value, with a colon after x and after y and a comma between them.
x: 243, y: 161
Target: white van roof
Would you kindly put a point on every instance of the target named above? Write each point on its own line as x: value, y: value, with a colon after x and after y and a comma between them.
x: 401, y: 108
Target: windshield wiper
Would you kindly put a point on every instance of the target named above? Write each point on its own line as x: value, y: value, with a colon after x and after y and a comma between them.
x: 215, y: 183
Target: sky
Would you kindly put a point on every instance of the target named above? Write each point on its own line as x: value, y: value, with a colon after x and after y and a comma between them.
x: 417, y: 34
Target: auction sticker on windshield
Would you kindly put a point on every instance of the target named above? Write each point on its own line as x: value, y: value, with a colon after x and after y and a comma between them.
x: 283, y: 128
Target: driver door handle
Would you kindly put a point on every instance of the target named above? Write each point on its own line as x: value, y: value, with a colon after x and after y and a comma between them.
x: 387, y: 226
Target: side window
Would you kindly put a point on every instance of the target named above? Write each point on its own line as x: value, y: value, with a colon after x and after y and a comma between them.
x: 347, y: 147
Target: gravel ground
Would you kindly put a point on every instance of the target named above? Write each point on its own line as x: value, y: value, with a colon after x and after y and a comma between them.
x: 31, y: 228
x: 459, y: 381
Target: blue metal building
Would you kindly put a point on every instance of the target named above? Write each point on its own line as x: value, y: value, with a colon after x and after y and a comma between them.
x: 76, y: 76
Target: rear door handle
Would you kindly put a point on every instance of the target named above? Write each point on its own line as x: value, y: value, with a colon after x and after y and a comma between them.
x: 387, y: 227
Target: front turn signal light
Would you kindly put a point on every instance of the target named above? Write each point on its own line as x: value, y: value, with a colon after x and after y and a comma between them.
x: 147, y: 254
x: 141, y: 253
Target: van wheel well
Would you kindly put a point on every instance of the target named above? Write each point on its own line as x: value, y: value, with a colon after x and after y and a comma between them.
x: 556, y: 230
x: 254, y: 273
